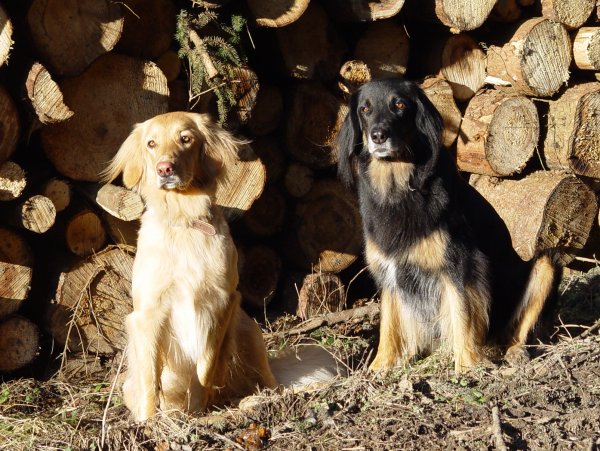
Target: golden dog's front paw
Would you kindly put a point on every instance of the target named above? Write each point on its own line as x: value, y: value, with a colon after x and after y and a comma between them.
x: 142, y: 406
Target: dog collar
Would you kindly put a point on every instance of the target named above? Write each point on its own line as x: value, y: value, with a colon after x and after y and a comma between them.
x: 204, y: 227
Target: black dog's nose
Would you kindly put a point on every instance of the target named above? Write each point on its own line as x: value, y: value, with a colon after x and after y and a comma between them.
x: 378, y: 136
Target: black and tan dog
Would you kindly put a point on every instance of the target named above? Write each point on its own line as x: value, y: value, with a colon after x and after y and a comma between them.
x: 440, y: 255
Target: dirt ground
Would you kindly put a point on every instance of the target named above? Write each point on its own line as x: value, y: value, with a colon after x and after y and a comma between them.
x: 551, y: 402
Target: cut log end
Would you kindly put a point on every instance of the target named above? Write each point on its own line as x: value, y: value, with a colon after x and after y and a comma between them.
x: 59, y: 192
x: 45, y: 96
x: 36, y: 214
x: 259, y: 276
x: 321, y: 293
x: 586, y: 48
x: 19, y: 343
x: 571, y: 13
x: 12, y: 181
x: 463, y: 65
x: 461, y: 16
x: 85, y: 233
x: 6, y: 31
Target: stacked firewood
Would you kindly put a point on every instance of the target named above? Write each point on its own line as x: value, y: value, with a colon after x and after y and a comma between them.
x: 515, y: 82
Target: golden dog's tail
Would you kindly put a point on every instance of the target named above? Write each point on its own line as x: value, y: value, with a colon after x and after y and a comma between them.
x: 305, y: 367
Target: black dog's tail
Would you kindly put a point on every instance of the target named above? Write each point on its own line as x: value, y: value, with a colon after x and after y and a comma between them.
x: 539, y: 295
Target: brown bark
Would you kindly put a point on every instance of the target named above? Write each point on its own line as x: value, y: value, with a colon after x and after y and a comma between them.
x: 542, y: 211
x: 267, y: 112
x: 535, y: 61
x: 259, y: 275
x: 116, y: 200
x: 92, y: 300
x: 353, y: 75
x: 463, y: 16
x: 439, y: 92
x: 320, y: 293
x: 571, y: 13
x: 10, y: 126
x: 12, y: 181
x: 586, y: 48
x: 45, y: 96
x: 84, y: 233
x: 327, y: 232
x: 275, y: 13
x: 58, y: 191
x: 384, y: 48
x: 498, y: 135
x: 36, y: 214
x: 71, y: 34
x: 267, y: 214
x: 299, y: 179
x: 115, y: 93
x: 19, y: 343
x: 6, y: 41
x: 16, y: 262
x: 573, y: 138
x: 148, y: 29
x: 310, y: 47
x: 363, y: 10
x: 313, y: 123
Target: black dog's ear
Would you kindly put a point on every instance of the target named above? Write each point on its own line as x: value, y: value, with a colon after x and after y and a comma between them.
x: 349, y: 141
x: 429, y: 122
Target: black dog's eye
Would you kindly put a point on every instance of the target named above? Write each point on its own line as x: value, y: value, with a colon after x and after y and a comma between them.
x: 151, y: 144
x: 365, y: 109
x: 400, y: 105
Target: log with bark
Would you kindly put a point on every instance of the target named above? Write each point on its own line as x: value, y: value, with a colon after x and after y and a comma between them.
x: 384, y: 48
x: 45, y: 96
x: 92, y: 300
x: 6, y: 31
x: 498, y: 134
x: 536, y: 59
x: 275, y: 13
x: 35, y: 213
x: 71, y: 34
x: 313, y: 123
x: 586, y: 48
x: 267, y: 214
x: 320, y: 293
x: 10, y: 123
x: 267, y: 112
x: 16, y: 262
x: 573, y: 131
x: 116, y: 200
x: 259, y: 275
x: 311, y: 48
x: 271, y: 155
x: 298, y: 179
x: 19, y: 343
x: 326, y: 233
x: 544, y: 210
x: 363, y: 10
x: 115, y: 93
x: 12, y: 181
x: 439, y: 92
x: 571, y: 13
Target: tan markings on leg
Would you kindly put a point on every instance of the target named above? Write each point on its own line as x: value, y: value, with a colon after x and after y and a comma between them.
x: 391, y: 349
x: 429, y: 253
x: 536, y: 294
x: 385, y: 174
x: 463, y: 322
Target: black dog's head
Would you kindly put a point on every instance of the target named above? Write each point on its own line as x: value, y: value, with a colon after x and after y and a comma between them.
x: 389, y: 120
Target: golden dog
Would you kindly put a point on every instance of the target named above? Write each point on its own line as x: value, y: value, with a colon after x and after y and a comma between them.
x: 190, y: 345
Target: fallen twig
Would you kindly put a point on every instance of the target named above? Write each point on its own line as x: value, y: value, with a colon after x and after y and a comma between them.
x: 497, y: 429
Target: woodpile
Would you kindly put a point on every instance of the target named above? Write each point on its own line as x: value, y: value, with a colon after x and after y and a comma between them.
x: 515, y: 81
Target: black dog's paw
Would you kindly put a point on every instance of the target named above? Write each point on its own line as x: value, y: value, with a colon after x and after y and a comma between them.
x: 516, y: 356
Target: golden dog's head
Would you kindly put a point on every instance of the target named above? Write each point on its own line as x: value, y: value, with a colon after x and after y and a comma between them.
x: 173, y: 151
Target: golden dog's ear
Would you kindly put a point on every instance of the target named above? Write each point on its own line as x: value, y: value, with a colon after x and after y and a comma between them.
x: 128, y: 160
x: 221, y: 148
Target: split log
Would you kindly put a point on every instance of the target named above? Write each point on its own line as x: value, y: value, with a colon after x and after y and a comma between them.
x: 327, y: 231
x: 148, y: 29
x: 267, y: 112
x: 573, y: 132
x: 274, y: 13
x: 11, y: 128
x: 16, y: 262
x: 120, y: 202
x: 535, y: 61
x: 544, y: 210
x: 6, y: 41
x: 84, y: 233
x: 315, y: 119
x: 271, y: 155
x: 463, y: 16
x: 299, y: 179
x: 321, y: 293
x: 586, y: 48
x: 71, y: 34
x: 58, y: 191
x: 266, y: 216
x: 45, y: 96
x: 353, y: 75
x: 19, y: 343
x: 92, y: 301
x: 116, y: 92
x: 384, y: 48
x: 571, y: 13
x: 363, y: 10
x: 12, y: 181
x: 243, y: 184
x: 310, y: 47
x: 36, y: 214
x: 439, y: 92
x: 498, y: 135
x: 259, y: 276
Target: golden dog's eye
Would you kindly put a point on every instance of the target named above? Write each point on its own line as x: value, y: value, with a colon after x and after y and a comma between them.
x: 186, y: 139
x: 151, y: 144
x: 400, y: 105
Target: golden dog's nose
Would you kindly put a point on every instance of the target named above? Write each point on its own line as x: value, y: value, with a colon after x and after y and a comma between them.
x: 164, y: 168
